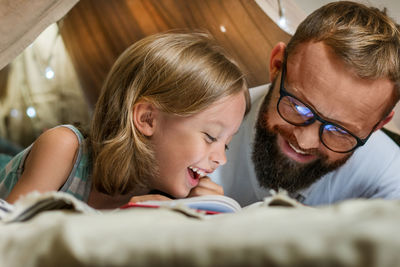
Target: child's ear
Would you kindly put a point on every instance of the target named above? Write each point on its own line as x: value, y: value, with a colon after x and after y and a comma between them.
x: 144, y: 117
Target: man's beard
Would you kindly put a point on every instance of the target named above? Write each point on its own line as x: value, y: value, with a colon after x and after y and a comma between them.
x: 274, y: 170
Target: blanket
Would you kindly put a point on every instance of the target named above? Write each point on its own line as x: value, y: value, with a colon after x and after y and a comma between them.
x: 269, y: 233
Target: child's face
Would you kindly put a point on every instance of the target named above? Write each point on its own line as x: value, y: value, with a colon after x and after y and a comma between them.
x: 187, y: 148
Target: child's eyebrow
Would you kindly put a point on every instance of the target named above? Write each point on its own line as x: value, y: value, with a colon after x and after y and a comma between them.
x: 221, y: 125
x: 216, y: 123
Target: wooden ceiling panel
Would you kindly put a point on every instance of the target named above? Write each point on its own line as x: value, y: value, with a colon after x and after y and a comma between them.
x: 95, y: 32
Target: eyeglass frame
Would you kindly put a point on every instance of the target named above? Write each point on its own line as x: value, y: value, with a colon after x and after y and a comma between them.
x: 316, y: 117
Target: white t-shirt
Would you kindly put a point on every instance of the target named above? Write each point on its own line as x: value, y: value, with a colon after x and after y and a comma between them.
x: 373, y: 171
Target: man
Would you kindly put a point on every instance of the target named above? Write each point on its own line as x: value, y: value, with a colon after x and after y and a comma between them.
x: 333, y: 87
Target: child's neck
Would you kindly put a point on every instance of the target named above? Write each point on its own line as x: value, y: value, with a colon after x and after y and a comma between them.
x: 100, y: 200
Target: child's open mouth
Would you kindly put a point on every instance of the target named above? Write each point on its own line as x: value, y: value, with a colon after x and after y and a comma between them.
x: 195, y: 173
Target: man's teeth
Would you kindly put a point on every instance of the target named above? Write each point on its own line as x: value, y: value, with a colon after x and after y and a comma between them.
x: 297, y: 150
x: 199, y: 172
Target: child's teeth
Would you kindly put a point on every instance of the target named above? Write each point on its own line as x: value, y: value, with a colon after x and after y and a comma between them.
x: 201, y: 173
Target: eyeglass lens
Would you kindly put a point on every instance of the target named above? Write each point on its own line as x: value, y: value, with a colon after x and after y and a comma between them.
x: 297, y: 113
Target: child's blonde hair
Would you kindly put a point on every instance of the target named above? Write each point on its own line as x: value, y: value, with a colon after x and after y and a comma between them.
x: 180, y: 73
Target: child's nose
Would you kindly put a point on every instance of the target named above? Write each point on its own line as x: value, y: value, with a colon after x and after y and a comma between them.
x: 218, y: 156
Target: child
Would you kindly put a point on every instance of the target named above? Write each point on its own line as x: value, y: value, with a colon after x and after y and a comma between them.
x: 167, y: 111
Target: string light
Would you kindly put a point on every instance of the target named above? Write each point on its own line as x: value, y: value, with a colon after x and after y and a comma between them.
x: 44, y: 65
x: 14, y: 113
x: 31, y: 112
x: 282, y: 20
x: 49, y: 73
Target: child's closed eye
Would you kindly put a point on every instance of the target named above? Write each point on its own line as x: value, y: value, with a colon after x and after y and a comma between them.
x: 210, y: 138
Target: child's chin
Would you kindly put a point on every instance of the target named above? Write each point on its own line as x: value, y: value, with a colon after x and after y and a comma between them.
x: 181, y: 194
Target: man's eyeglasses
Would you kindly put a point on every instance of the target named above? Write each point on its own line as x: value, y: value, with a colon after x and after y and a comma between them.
x: 332, y: 135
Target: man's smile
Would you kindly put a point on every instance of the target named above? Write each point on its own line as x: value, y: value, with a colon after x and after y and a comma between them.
x: 293, y: 152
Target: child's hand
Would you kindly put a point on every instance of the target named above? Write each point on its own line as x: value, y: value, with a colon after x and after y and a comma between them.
x: 206, y: 187
x: 149, y: 197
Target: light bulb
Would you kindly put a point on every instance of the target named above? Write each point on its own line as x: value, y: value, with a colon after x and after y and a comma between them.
x: 282, y: 22
x: 49, y: 73
x: 31, y: 112
x: 14, y: 113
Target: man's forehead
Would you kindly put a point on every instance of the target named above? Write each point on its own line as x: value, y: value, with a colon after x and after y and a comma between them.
x: 313, y: 56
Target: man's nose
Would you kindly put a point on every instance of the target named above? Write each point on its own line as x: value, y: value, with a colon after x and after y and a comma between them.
x: 218, y: 155
x: 307, y: 136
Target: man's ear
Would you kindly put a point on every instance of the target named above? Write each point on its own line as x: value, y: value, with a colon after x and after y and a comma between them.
x: 385, y: 120
x: 276, y: 60
x: 144, y: 117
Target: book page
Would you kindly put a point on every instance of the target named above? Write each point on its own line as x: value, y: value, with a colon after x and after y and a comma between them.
x: 214, y: 203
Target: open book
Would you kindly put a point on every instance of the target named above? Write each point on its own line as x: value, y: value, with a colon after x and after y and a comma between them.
x: 35, y: 203
x: 210, y: 204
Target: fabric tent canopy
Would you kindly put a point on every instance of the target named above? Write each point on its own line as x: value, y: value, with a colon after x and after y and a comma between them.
x: 19, y: 28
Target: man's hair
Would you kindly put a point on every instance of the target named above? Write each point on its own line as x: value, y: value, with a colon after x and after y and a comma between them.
x: 181, y: 74
x: 365, y: 38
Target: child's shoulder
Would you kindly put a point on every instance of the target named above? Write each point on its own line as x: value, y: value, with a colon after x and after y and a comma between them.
x: 59, y: 136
